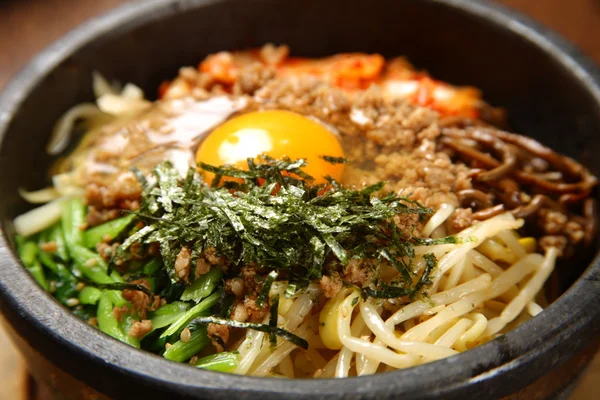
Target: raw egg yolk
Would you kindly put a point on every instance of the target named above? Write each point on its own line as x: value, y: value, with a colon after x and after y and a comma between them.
x: 276, y: 133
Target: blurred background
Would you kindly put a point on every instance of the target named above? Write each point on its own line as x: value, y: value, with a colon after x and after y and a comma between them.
x: 26, y: 26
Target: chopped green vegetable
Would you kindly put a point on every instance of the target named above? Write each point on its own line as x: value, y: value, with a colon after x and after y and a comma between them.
x: 202, y: 286
x: 107, y: 322
x: 28, y: 254
x: 89, y: 295
x: 107, y: 231
x: 91, y: 265
x: 56, y: 234
x: 192, y: 313
x: 168, y: 314
x: 181, y: 351
x: 73, y: 220
x: 221, y: 362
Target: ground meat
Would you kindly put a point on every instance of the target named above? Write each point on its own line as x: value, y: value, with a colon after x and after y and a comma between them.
x: 219, y: 335
x: 551, y: 221
x: 358, y: 272
x: 105, y: 201
x: 189, y: 74
x: 97, y: 216
x: 106, y: 251
x: 407, y: 223
x: 140, y: 300
x: 202, y: 267
x: 139, y: 329
x: 274, y: 55
x: 49, y: 247
x: 574, y: 231
x: 251, y: 283
x: 460, y: 219
x: 182, y: 263
x: 252, y: 78
x: 255, y: 313
x: 331, y: 285
x: 118, y: 312
x: 211, y: 255
x: 125, y: 187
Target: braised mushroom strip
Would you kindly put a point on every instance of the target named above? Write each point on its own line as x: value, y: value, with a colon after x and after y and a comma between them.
x: 515, y: 173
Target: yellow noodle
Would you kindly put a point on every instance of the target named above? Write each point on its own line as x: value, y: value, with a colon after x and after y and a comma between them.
x: 534, y: 285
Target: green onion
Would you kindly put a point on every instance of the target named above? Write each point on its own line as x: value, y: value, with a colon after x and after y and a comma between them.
x: 73, y: 220
x: 57, y: 235
x: 168, y: 314
x: 92, y: 266
x: 107, y: 231
x: 203, y: 286
x: 89, y: 295
x: 192, y: 313
x: 107, y: 322
x: 221, y: 362
x: 181, y: 351
x: 28, y: 252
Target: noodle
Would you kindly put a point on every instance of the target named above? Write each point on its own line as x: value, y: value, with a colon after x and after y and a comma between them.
x: 534, y: 285
x: 448, y: 319
x: 475, y: 331
x: 438, y: 219
x: 534, y: 309
x: 39, y: 218
x: 454, y: 333
x: 417, y: 308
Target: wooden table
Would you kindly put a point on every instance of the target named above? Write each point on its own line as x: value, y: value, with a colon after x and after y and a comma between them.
x: 26, y: 26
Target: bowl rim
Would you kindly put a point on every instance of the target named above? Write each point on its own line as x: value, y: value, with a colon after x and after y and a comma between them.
x: 49, y: 318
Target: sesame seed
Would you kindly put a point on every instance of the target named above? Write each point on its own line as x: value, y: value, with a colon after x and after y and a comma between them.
x: 186, y: 335
x: 91, y: 262
x: 72, y: 302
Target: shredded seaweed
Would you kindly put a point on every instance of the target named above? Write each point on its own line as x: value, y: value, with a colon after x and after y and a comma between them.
x: 444, y: 240
x: 117, y: 286
x: 273, y: 320
x: 390, y: 291
x: 282, y: 333
x: 272, y: 216
x: 335, y: 160
x: 264, y: 293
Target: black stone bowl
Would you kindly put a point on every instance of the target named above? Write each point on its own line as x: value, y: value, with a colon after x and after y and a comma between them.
x: 550, y: 91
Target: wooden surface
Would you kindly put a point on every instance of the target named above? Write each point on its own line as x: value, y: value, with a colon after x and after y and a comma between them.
x: 26, y: 26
